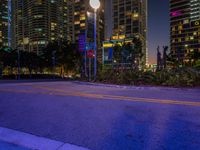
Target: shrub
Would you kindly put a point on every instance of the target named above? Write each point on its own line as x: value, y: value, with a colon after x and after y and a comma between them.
x: 180, y: 77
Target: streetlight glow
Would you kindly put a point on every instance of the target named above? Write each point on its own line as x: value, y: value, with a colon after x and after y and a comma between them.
x: 95, y: 4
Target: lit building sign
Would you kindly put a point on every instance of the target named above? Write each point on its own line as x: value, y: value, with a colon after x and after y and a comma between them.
x: 118, y: 37
x: 111, y: 43
x: 108, y: 48
x: 176, y: 13
x: 195, y: 23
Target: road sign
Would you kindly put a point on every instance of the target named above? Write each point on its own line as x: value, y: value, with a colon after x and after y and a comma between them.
x: 90, y: 54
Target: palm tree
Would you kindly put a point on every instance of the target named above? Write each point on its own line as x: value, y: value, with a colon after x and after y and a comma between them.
x: 67, y: 56
x: 136, y: 51
x: 31, y: 61
x: 117, y: 49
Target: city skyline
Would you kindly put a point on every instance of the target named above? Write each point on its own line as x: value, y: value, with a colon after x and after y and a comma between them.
x: 158, y: 26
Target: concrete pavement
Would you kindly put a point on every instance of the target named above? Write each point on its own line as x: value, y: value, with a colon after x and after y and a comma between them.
x: 104, y: 118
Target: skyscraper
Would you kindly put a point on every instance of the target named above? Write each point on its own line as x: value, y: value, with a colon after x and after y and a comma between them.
x: 185, y: 28
x: 38, y: 22
x: 5, y: 23
x: 130, y: 19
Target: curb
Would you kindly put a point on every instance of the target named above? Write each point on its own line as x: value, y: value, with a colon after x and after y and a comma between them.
x: 132, y: 86
x: 34, y: 142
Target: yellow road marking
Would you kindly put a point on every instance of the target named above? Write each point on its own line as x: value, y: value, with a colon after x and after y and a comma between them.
x: 136, y: 99
x: 60, y: 92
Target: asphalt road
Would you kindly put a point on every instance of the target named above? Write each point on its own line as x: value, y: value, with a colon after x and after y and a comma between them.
x: 104, y: 117
x: 8, y: 146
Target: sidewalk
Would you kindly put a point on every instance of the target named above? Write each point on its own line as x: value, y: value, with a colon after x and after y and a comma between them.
x: 31, y: 142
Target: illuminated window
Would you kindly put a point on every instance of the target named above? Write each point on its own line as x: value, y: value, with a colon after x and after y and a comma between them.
x: 82, y: 18
x: 77, y: 22
x: 82, y: 24
x: 38, y: 16
x: 76, y: 13
x: 38, y: 2
x: 38, y: 29
x: 186, y: 21
x: 180, y: 27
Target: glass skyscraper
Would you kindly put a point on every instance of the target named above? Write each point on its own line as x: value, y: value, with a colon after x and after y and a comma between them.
x: 185, y: 29
x: 130, y: 19
x: 38, y: 22
x: 5, y: 23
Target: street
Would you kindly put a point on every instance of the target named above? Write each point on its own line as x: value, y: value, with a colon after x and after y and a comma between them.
x: 103, y: 117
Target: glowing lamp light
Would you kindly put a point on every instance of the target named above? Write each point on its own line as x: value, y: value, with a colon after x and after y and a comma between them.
x: 95, y: 4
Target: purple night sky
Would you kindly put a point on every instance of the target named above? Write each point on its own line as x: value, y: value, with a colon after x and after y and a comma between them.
x: 158, y: 25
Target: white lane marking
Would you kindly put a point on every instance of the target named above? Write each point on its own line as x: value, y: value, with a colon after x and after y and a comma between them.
x: 34, y: 142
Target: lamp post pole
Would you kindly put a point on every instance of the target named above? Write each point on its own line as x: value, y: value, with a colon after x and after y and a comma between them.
x: 95, y: 43
x: 95, y: 4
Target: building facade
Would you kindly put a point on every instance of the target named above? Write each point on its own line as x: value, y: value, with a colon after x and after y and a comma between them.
x: 5, y: 23
x: 185, y: 29
x: 129, y: 20
x: 38, y: 22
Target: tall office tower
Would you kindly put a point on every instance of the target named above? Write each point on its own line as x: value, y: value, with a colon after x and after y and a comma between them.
x: 5, y: 23
x: 84, y: 23
x: 38, y: 22
x: 130, y: 19
x: 185, y: 28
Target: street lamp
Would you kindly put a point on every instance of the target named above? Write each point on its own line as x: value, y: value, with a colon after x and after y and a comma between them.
x: 95, y: 4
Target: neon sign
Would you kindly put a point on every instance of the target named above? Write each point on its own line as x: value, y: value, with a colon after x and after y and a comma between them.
x: 81, y: 42
x: 176, y: 13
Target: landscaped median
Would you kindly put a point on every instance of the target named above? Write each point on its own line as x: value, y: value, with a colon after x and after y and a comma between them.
x: 179, y: 77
